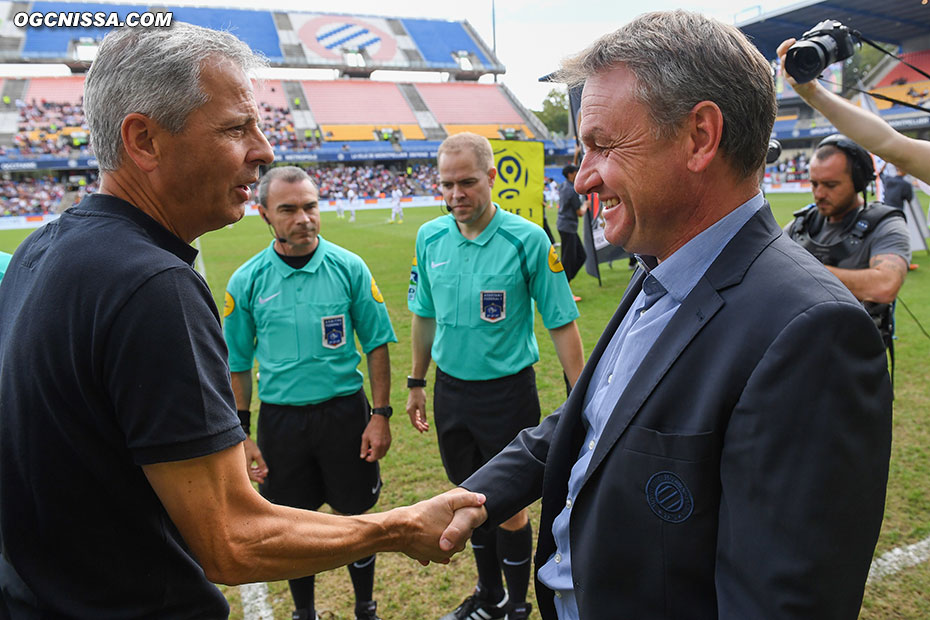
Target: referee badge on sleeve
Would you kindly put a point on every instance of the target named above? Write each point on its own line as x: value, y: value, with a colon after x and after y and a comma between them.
x: 229, y: 304
x: 334, y: 331
x: 493, y: 306
x: 414, y: 280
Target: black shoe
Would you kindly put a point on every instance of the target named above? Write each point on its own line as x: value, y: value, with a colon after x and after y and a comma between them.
x: 477, y: 608
x: 520, y: 611
x: 365, y: 610
x: 304, y: 614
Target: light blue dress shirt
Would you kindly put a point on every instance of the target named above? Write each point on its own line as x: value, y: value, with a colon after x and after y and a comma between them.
x: 664, y: 289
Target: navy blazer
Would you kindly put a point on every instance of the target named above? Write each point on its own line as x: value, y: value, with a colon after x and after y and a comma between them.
x: 742, y: 472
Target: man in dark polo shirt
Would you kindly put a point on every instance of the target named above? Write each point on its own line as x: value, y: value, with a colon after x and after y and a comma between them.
x: 122, y: 486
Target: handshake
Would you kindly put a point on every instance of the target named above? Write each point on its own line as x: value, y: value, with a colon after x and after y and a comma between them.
x: 435, y: 529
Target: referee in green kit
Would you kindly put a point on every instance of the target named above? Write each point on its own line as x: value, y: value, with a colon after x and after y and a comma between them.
x: 474, y: 280
x: 296, y: 307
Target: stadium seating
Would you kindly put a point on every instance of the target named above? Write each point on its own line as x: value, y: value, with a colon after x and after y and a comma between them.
x: 357, y: 102
x: 270, y: 92
x: 457, y: 105
x: 54, y: 42
x: 255, y: 27
x: 57, y: 89
x: 917, y: 93
x: 785, y: 122
x: 439, y: 41
x: 351, y: 133
x: 902, y: 74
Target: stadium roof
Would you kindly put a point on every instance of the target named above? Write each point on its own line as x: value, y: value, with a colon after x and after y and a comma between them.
x: 353, y: 44
x: 894, y: 21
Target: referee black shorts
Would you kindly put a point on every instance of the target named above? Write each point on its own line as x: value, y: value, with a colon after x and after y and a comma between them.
x: 477, y: 419
x: 312, y: 455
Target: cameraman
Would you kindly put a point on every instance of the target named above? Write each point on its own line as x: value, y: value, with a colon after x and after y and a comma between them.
x: 863, y: 127
x: 865, y: 245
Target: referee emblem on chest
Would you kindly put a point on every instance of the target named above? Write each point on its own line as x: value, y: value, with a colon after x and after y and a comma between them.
x: 334, y: 331
x: 493, y: 306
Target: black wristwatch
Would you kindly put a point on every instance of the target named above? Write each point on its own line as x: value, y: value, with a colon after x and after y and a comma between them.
x: 387, y: 412
x: 412, y: 382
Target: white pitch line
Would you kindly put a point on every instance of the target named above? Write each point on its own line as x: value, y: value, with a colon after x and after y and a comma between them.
x: 898, y: 559
x: 199, y: 265
x: 255, y: 602
x: 254, y: 595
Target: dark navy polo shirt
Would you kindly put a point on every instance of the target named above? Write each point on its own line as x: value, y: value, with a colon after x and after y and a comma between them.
x: 111, y: 357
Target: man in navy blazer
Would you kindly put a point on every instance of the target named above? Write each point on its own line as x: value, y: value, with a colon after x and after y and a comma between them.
x: 725, y: 451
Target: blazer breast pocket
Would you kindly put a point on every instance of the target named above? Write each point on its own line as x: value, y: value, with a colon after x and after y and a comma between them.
x: 672, y: 477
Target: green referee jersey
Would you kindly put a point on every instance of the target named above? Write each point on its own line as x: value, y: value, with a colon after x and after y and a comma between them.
x: 481, y: 293
x: 300, y: 324
x: 4, y: 262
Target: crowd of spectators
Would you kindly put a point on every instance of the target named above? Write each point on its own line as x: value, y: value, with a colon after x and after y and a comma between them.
x: 50, y: 128
x: 789, y: 170
x: 278, y: 127
x: 39, y: 195
x: 375, y: 181
x: 42, y: 195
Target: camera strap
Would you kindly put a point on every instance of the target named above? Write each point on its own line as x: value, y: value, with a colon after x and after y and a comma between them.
x: 892, y: 100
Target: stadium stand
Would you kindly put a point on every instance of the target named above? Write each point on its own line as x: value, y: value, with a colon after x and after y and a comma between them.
x: 257, y: 28
x: 902, y: 74
x: 369, y: 135
x: 481, y: 108
x: 55, y: 43
x: 39, y: 196
x: 270, y: 92
x: 58, y: 89
x: 351, y: 101
x: 440, y: 42
x: 349, y: 110
x: 375, y: 181
x: 785, y: 122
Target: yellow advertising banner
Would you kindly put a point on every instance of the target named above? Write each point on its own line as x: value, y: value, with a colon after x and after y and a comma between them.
x: 520, y: 178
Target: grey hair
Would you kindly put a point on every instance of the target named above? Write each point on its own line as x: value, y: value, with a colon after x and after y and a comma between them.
x: 155, y: 72
x: 288, y: 174
x: 681, y: 58
x: 479, y: 145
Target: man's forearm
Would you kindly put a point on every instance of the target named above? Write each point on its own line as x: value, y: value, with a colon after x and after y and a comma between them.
x: 879, y: 283
x: 568, y: 347
x: 239, y: 537
x: 242, y: 388
x: 422, y: 332
x: 871, y: 132
x: 379, y: 375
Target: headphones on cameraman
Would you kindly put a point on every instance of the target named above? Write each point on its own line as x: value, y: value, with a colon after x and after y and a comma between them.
x: 863, y: 169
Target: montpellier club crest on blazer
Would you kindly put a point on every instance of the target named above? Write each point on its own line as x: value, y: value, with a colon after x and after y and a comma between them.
x: 669, y: 497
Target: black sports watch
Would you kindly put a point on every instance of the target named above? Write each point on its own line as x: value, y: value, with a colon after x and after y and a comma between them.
x: 387, y: 412
x: 412, y: 382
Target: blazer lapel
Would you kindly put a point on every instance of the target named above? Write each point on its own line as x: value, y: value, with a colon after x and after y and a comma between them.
x: 696, y: 310
x: 571, y: 410
x: 563, y: 450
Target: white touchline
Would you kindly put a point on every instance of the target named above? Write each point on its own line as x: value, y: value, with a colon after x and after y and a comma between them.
x: 254, y: 596
x: 898, y: 559
x: 255, y: 604
x: 199, y: 265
